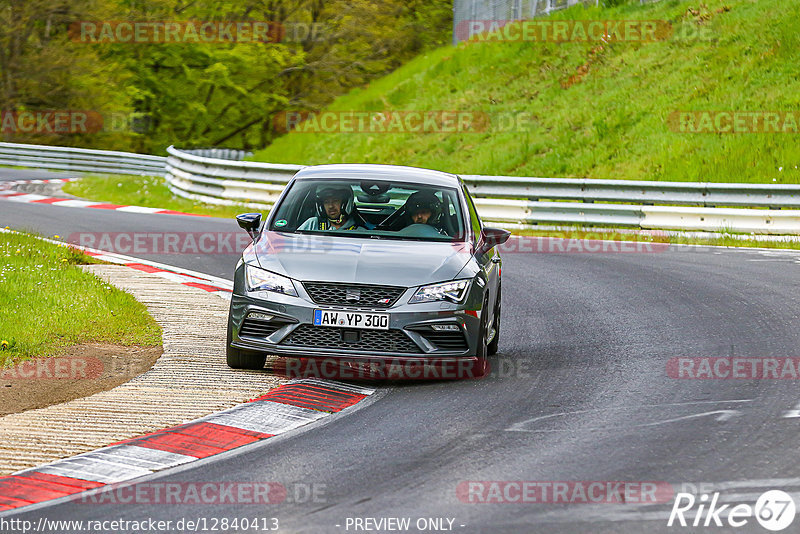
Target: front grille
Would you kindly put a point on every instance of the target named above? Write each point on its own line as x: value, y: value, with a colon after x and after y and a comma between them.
x: 447, y: 340
x: 259, y: 328
x: 369, y: 340
x: 368, y: 295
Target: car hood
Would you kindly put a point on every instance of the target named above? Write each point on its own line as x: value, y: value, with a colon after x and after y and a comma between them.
x: 364, y: 261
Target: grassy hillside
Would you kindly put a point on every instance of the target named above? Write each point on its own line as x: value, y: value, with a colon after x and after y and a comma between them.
x: 599, y: 111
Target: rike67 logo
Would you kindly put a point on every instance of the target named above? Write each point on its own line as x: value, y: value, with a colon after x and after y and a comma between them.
x: 774, y: 510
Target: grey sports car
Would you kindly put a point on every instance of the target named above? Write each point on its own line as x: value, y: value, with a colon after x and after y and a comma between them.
x: 372, y: 263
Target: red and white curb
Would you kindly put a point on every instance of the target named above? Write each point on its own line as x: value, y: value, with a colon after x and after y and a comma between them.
x: 7, y: 192
x: 285, y: 408
x: 218, y: 286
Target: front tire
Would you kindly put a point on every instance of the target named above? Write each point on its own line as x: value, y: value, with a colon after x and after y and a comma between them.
x: 243, y: 359
x: 495, y: 344
x: 482, y: 352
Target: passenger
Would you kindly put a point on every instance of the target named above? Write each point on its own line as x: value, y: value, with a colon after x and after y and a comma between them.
x: 423, y: 207
x: 335, y: 210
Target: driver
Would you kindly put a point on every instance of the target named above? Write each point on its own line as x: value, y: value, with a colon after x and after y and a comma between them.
x: 423, y: 207
x: 335, y: 208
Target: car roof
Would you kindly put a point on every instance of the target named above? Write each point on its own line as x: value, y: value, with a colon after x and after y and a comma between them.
x: 361, y: 171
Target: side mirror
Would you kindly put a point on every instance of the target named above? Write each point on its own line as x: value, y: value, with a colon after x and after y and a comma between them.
x: 490, y: 238
x: 250, y: 222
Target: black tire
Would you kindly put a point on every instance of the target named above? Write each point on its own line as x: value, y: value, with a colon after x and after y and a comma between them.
x: 495, y: 344
x: 481, y: 368
x: 243, y: 359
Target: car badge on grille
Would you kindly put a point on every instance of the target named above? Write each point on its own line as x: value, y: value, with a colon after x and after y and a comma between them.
x: 384, y: 301
x: 352, y: 295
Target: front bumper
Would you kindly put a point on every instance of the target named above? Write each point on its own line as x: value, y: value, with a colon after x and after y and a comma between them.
x: 282, y: 325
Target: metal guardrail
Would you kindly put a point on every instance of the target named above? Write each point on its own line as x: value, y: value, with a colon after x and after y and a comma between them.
x: 216, y: 181
x: 706, y: 194
x: 525, y: 202
x: 502, y: 11
x: 507, y: 201
x: 220, y: 153
x: 80, y: 159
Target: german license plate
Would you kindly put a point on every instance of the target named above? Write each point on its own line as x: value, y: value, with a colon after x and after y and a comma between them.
x: 351, y: 319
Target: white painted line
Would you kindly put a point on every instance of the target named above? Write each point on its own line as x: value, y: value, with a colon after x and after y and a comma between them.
x: 110, y: 259
x: 72, y: 203
x: 93, y: 469
x: 146, y: 458
x: 117, y: 463
x: 721, y: 415
x: 27, y: 198
x: 793, y: 413
x: 140, y: 209
x: 266, y: 417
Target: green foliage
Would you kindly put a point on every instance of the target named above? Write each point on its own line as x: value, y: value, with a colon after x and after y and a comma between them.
x: 597, y: 111
x: 202, y: 94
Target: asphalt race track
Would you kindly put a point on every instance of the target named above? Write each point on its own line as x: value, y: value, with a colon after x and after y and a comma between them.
x: 579, y: 392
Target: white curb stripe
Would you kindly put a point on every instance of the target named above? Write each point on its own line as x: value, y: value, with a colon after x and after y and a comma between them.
x: 27, y: 198
x: 117, y: 463
x: 73, y: 203
x: 266, y: 417
x: 140, y: 209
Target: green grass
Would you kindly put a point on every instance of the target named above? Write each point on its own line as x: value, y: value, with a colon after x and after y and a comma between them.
x: 613, y: 122
x: 48, y: 304
x: 149, y: 191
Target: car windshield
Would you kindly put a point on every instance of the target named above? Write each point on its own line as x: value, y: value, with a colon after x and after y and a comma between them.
x: 377, y: 209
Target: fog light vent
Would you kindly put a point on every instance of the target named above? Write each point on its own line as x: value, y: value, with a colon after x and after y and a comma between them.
x: 445, y: 327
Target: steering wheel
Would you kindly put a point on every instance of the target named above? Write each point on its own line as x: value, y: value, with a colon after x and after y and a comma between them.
x: 391, y: 220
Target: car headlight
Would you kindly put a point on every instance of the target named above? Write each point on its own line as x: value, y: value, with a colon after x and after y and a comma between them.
x: 453, y: 291
x: 261, y: 280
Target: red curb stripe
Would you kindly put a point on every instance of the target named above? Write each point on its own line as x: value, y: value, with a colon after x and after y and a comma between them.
x: 107, y: 206
x: 63, y: 481
x: 205, y: 286
x: 11, y: 503
x: 49, y: 200
x: 200, y: 440
x: 143, y: 267
x: 15, y: 195
x: 19, y: 490
x: 315, y: 398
